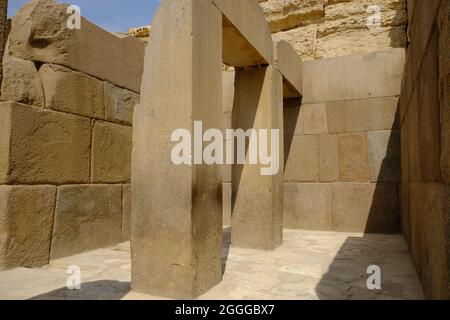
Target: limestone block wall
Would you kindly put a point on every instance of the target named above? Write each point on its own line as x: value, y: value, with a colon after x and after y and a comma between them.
x: 342, y: 145
x: 425, y: 144
x: 328, y: 28
x: 65, y: 137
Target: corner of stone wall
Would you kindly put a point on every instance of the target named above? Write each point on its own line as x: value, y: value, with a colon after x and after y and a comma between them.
x: 65, y: 140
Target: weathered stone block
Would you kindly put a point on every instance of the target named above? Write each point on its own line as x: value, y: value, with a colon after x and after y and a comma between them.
x: 347, y: 15
x: 312, y: 207
x: 302, y: 40
x: 21, y: 82
x: 429, y: 129
x: 72, y: 92
x: 384, y: 156
x: 413, y: 142
x: 126, y: 212
x: 87, y: 217
x: 111, y: 153
x: 43, y: 146
x: 314, y: 118
x: 357, y: 41
x: 345, y: 78
x: 303, y: 160
x: 119, y: 104
x: 26, y: 219
x: 39, y: 33
x: 353, y: 158
x: 283, y: 15
x: 365, y: 207
x: 362, y: 115
x: 328, y: 157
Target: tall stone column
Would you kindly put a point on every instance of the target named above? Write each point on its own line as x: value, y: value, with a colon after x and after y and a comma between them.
x: 3, y: 32
x: 257, y: 199
x: 177, y: 214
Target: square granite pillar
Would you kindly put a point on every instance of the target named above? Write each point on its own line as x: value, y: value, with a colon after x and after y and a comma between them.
x: 257, y: 200
x: 177, y: 209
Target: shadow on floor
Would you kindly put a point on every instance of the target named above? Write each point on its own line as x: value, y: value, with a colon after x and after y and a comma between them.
x: 349, y: 277
x: 95, y: 290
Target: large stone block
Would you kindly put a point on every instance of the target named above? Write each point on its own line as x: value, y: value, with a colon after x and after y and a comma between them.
x: 111, y: 153
x: 43, y: 146
x: 39, y: 33
x: 72, y: 92
x: 429, y: 129
x: 384, y: 156
x: 302, y: 163
x: 21, y: 82
x: 247, y: 39
x: 312, y: 207
x: 445, y: 88
x: 126, y: 212
x: 345, y: 78
x: 119, y: 104
x: 314, y: 118
x: 362, y: 115
x: 366, y: 207
x: 357, y: 41
x: 429, y: 243
x: 328, y: 158
x: 347, y: 15
x: 26, y: 220
x: 353, y: 157
x: 284, y: 15
x: 87, y: 217
x: 345, y: 28
x: 413, y: 142
x: 302, y: 40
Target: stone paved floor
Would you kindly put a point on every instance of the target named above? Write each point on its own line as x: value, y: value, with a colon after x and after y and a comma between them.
x: 309, y: 265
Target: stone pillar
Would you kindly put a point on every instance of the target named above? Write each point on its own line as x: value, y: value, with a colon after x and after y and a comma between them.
x: 3, y: 32
x: 177, y: 214
x: 257, y: 199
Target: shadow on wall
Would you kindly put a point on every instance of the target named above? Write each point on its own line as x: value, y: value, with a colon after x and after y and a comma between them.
x: 346, y: 277
x: 95, y: 290
x: 360, y: 251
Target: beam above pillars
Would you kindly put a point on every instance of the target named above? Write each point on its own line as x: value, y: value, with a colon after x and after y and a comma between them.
x: 290, y: 65
x: 247, y: 37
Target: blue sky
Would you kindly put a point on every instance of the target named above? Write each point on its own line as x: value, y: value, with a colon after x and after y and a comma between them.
x: 113, y: 15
